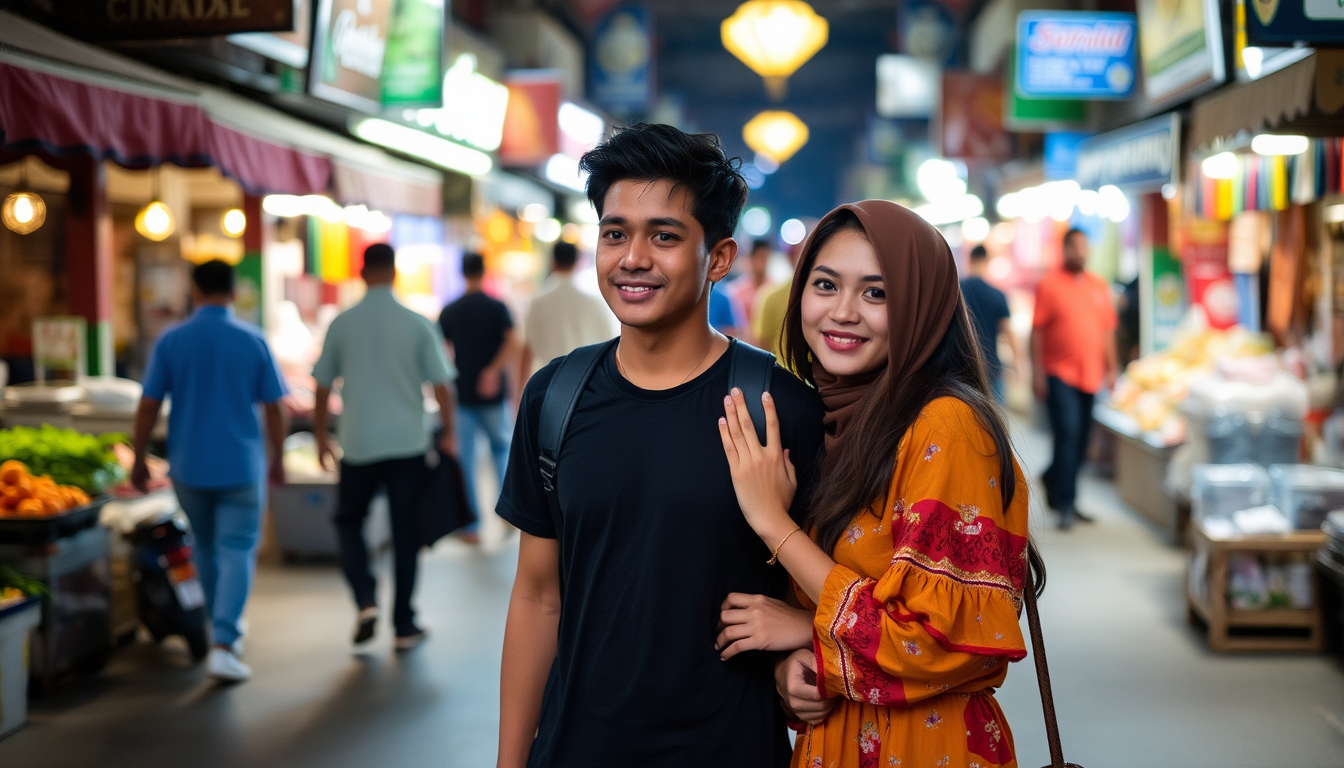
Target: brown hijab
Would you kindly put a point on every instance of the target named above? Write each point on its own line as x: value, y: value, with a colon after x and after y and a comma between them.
x: 920, y: 276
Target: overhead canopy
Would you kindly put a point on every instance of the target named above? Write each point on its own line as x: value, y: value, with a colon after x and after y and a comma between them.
x: 1302, y: 98
x: 73, y: 98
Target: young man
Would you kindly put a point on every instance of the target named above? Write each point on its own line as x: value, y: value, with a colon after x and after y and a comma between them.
x: 988, y: 307
x: 217, y: 369
x: 618, y: 668
x: 1073, y: 356
x: 384, y: 353
x: 479, y: 331
x: 562, y: 318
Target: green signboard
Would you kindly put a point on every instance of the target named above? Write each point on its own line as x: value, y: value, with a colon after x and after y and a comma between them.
x: 1024, y: 114
x: 413, y: 60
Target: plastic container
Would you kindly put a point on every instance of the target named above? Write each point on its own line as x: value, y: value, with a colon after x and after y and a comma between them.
x: 304, y: 528
x: 1219, y: 490
x: 1243, y: 417
x: 1306, y: 493
x: 16, y: 622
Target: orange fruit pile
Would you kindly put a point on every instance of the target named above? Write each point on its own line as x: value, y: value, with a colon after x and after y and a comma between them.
x: 22, y: 495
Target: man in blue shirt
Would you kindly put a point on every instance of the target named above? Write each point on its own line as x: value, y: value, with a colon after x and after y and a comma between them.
x: 216, y: 369
x: 988, y: 308
x: 384, y: 353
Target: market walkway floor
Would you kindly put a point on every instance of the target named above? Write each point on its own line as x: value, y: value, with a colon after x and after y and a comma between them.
x: 1135, y: 684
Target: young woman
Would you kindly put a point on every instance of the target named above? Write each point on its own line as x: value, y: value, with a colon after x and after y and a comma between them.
x: 915, y: 553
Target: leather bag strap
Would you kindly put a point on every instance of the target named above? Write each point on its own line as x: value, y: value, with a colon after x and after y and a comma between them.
x: 1043, y: 677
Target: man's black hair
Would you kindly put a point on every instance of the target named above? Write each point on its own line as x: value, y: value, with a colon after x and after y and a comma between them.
x: 978, y: 253
x: 696, y: 161
x: 756, y: 245
x: 473, y: 265
x: 564, y: 255
x: 213, y: 278
x: 380, y: 256
x: 1070, y: 234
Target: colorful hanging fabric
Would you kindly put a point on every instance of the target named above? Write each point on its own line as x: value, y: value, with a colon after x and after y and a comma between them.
x: 1250, y: 198
x: 1303, y: 190
x: 1279, y: 182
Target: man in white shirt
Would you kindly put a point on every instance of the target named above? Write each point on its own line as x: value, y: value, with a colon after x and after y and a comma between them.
x: 562, y: 318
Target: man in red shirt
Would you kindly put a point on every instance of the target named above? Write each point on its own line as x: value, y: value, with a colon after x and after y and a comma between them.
x: 1073, y: 356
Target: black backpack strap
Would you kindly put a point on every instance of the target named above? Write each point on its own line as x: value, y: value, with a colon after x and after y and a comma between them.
x: 750, y: 370
x: 557, y: 407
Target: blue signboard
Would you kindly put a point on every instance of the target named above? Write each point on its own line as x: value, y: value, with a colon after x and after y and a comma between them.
x: 1075, y: 55
x: 622, y: 74
x: 1284, y: 22
x: 1141, y: 157
x: 1061, y: 153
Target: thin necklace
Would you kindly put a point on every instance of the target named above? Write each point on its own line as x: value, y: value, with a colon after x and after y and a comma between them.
x: 620, y: 365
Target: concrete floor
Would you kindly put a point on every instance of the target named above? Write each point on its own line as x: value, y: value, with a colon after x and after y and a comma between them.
x: 1134, y: 683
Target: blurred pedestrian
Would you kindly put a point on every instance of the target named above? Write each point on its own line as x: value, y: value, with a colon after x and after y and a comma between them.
x: 608, y: 658
x: 217, y: 369
x: 771, y: 304
x: 562, y: 318
x: 744, y: 289
x: 483, y: 344
x: 1073, y: 356
x: 988, y: 307
x: 384, y: 354
x: 725, y: 316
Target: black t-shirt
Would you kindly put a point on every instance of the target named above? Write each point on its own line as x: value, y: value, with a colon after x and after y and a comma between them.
x: 988, y: 306
x: 475, y: 326
x: 654, y: 541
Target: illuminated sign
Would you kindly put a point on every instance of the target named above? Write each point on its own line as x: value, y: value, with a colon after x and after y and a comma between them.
x: 158, y: 19
x: 473, y: 106
x: 1076, y: 55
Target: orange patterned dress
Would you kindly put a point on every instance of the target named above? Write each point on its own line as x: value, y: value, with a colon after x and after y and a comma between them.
x: 919, y: 618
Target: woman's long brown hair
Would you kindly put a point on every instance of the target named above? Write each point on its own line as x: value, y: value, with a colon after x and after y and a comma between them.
x: 862, y: 471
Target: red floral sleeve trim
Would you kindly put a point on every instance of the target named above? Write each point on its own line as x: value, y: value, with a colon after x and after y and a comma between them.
x: 848, y: 633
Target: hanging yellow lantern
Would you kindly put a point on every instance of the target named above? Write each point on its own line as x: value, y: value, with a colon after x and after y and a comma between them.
x: 774, y: 38
x: 233, y: 222
x: 155, y: 221
x: 775, y: 134
x: 24, y: 211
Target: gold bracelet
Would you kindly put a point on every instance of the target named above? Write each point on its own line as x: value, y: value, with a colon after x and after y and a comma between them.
x: 775, y: 557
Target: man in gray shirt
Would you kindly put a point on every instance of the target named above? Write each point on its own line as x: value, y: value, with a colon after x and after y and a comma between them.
x: 384, y: 353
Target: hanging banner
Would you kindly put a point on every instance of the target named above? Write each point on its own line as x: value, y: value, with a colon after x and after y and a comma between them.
x: 1318, y: 23
x: 1181, y: 44
x: 621, y: 77
x: 1075, y: 55
x: 1141, y: 157
x: 1022, y: 113
x: 532, y: 119
x: 971, y: 118
x: 349, y: 41
x: 1208, y: 279
x: 413, y: 60
x: 160, y: 19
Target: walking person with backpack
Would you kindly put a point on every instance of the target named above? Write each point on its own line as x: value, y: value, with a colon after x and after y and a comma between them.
x: 631, y: 534
x: 914, y: 560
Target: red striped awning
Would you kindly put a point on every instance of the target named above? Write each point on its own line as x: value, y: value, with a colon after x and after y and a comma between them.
x: 44, y: 113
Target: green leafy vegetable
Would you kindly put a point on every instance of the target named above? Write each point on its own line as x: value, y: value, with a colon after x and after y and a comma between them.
x: 25, y: 584
x: 70, y: 457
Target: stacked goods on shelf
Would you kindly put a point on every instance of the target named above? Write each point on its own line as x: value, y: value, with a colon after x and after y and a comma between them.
x: 1153, y: 387
x: 87, y: 462
x: 1306, y: 493
x: 24, y: 495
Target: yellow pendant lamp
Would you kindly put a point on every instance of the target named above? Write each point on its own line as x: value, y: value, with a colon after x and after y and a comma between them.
x: 155, y: 221
x: 774, y: 38
x: 24, y: 211
x: 775, y: 134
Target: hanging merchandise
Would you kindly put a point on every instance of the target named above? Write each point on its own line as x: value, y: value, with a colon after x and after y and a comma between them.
x: 24, y: 211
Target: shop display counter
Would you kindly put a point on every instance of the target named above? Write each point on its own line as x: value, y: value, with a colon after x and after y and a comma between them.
x: 1297, y: 626
x: 302, y: 512
x: 1140, y: 471
x: 16, y: 622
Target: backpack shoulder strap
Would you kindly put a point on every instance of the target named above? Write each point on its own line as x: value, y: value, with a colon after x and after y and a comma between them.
x: 557, y: 407
x: 749, y: 370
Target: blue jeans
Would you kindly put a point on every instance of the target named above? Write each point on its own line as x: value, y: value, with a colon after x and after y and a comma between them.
x: 1070, y: 411
x: 225, y: 527
x: 493, y: 420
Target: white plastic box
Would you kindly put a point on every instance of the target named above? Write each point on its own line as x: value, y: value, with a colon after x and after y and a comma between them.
x: 15, y: 624
x: 1306, y: 493
x: 1219, y: 490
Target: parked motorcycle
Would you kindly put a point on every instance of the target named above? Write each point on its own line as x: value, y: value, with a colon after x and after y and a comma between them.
x: 167, y: 586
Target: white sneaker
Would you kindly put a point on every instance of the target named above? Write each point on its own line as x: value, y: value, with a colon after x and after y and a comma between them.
x: 223, y: 665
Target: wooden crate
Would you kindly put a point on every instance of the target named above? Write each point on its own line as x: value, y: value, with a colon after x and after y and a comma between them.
x: 1212, y: 605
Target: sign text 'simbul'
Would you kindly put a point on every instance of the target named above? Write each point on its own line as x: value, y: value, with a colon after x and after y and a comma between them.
x: 1104, y: 39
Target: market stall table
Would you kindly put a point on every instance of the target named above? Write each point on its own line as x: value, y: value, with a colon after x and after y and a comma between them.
x: 1141, y: 461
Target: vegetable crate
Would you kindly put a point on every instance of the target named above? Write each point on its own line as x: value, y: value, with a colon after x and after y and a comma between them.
x: 1232, y: 629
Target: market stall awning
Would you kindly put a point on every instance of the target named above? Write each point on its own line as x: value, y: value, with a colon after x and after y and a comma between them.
x: 1301, y: 98
x: 60, y: 96
x: 49, y: 114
